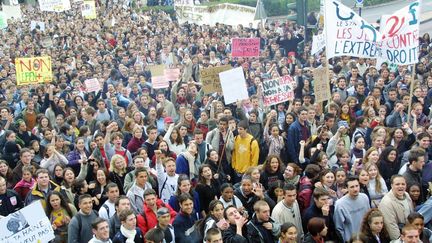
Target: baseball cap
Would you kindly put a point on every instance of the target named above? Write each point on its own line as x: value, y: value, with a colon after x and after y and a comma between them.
x: 162, y: 211
x: 168, y: 119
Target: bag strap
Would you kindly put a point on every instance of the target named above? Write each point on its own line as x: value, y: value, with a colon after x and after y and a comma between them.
x: 107, y: 209
x: 163, y: 186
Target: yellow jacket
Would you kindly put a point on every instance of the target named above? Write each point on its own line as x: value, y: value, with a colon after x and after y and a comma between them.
x: 245, y: 153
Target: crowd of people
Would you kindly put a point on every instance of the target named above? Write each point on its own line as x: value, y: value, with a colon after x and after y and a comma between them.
x: 130, y: 163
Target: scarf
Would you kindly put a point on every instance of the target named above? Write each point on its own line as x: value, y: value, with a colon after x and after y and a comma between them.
x: 191, y: 161
x: 295, y: 180
x: 129, y: 234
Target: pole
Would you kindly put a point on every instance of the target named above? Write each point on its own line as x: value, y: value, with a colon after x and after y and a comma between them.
x: 360, y: 11
x: 411, y: 90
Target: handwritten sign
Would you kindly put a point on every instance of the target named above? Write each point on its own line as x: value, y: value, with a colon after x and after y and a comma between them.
x: 245, y: 47
x: 233, y: 85
x: 29, y: 224
x: 210, y: 78
x: 33, y: 70
x: 348, y: 34
x: 54, y: 5
x: 92, y: 85
x: 88, y: 10
x: 172, y: 74
x: 321, y: 85
x: 278, y: 90
x: 158, y: 78
x: 401, y: 35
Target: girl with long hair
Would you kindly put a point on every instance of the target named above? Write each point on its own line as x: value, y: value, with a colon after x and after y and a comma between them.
x: 60, y: 213
x: 376, y: 185
x: 184, y: 186
x: 273, y: 171
x: 118, y: 171
x: 207, y: 188
x: 373, y: 227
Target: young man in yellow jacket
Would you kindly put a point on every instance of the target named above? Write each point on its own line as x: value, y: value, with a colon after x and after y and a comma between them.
x: 246, y: 151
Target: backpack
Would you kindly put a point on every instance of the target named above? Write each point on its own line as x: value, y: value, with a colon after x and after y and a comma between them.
x: 305, y: 193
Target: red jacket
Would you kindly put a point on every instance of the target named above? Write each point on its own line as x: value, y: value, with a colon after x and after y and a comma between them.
x: 149, y: 220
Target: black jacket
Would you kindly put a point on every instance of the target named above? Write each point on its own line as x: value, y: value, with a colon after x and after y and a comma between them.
x: 230, y: 235
x: 10, y: 202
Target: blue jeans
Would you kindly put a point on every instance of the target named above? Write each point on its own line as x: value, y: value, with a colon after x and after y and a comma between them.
x: 426, y: 210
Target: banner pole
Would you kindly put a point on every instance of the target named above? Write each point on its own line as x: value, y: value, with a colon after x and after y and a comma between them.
x: 411, y: 89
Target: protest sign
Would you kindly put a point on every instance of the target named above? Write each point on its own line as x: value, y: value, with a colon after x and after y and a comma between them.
x: 224, y: 13
x: 347, y: 34
x: 278, y: 90
x: 33, y: 70
x: 245, y: 47
x: 54, y: 5
x: 47, y: 42
x: 172, y: 74
x: 233, y: 85
x: 88, y: 10
x: 34, y: 24
x: 92, y: 85
x: 401, y: 35
x: 318, y: 43
x: 210, y: 78
x: 3, y: 21
x: 29, y: 224
x: 321, y: 85
x: 158, y: 76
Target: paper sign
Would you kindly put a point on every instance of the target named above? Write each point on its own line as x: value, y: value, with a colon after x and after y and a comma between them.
x: 278, y: 90
x: 3, y: 21
x: 92, y: 85
x: 318, y: 43
x: 233, y: 85
x: 210, y: 78
x: 33, y: 25
x: 88, y: 10
x: 172, y: 74
x: 245, y: 47
x: 54, y: 5
x: 47, y: 42
x: 321, y: 85
x: 33, y: 70
x: 29, y: 224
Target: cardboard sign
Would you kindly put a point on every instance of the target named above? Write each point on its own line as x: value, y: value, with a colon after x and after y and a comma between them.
x: 278, y: 90
x: 33, y: 70
x: 88, y: 10
x: 29, y: 224
x: 158, y: 78
x: 245, y: 47
x: 210, y: 78
x: 92, y: 85
x: 321, y: 85
x: 233, y: 85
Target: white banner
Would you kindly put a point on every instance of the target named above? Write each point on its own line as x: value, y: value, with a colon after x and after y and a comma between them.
x: 400, y: 33
x: 11, y: 11
x: 348, y: 34
x: 226, y: 13
x: 29, y: 224
x: 54, y: 5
